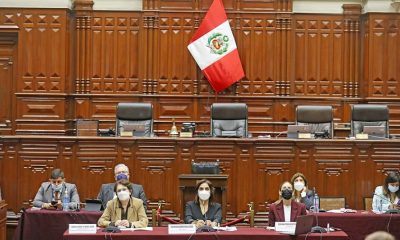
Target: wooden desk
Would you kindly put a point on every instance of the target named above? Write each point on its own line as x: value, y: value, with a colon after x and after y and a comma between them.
x: 256, y: 167
x: 3, y: 219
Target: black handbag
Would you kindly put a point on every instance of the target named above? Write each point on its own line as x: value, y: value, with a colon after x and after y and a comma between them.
x: 205, y: 167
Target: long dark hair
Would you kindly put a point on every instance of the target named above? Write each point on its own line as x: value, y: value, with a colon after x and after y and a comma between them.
x: 294, y: 177
x: 212, y: 190
x: 392, y: 177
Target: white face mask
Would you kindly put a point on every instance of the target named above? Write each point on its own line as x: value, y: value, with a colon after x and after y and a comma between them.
x: 123, y: 195
x: 299, y: 186
x: 204, y: 195
x: 393, y: 189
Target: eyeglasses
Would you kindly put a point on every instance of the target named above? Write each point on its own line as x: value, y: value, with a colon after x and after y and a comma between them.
x: 122, y: 190
x: 121, y: 172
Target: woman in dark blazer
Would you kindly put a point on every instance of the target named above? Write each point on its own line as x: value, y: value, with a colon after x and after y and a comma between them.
x: 301, y: 192
x: 285, y: 209
x: 203, y: 211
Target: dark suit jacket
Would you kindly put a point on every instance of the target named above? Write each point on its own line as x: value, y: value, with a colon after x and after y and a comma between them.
x: 193, y: 212
x: 276, y: 213
x: 308, y: 200
x: 107, y: 193
x: 45, y: 195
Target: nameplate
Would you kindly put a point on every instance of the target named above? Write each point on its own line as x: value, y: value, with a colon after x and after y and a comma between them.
x: 362, y: 136
x: 285, y: 227
x: 181, y: 229
x: 126, y: 134
x: 304, y: 135
x: 82, y: 228
x: 186, y: 134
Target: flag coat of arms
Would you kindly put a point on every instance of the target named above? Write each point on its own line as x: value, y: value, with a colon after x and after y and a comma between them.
x: 214, y: 49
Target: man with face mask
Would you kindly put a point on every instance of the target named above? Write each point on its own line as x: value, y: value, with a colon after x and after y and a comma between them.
x: 51, y: 193
x: 121, y: 171
x: 285, y: 209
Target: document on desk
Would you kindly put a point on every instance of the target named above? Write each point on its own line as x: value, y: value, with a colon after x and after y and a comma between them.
x: 285, y: 227
x: 137, y: 229
x: 228, y: 229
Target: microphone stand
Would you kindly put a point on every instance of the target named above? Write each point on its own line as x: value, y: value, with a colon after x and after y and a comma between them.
x: 317, y: 228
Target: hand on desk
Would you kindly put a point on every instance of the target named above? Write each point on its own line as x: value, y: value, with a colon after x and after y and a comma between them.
x: 52, y: 206
x: 200, y: 223
x: 211, y: 224
x: 124, y: 223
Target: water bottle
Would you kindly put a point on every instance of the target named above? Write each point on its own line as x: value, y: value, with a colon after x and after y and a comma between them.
x: 316, y: 202
x: 65, y: 201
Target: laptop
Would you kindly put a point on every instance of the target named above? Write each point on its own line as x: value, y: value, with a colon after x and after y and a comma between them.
x: 304, y: 223
x: 93, y: 205
x: 294, y: 130
x: 375, y: 132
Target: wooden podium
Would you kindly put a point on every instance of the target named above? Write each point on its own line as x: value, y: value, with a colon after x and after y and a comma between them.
x: 187, y: 186
x: 3, y: 219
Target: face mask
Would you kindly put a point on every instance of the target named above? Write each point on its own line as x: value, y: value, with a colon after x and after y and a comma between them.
x: 393, y: 189
x: 287, y: 194
x: 56, y: 188
x: 123, y: 195
x: 122, y: 176
x: 299, y: 186
x: 204, y: 195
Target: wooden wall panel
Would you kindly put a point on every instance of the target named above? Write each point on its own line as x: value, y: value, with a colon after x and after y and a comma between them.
x: 382, y: 52
x: 255, y: 167
x: 116, y: 53
x: 8, y: 54
x: 318, y: 71
x: 139, y: 56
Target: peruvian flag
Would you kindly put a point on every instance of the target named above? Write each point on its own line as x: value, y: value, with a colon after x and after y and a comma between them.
x: 214, y: 49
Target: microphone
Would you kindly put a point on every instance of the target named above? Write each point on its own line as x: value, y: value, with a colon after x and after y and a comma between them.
x: 317, y: 228
x: 379, y: 207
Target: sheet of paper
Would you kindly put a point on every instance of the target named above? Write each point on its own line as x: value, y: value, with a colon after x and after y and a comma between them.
x: 285, y: 227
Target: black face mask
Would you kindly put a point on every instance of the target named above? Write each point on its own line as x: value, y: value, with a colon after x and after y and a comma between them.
x: 287, y: 194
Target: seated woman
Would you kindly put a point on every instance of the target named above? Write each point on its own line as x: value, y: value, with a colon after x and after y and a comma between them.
x: 387, y: 196
x: 203, y: 211
x: 301, y: 193
x: 285, y: 209
x: 125, y: 210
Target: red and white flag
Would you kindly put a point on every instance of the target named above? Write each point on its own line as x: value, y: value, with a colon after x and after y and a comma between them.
x: 214, y: 49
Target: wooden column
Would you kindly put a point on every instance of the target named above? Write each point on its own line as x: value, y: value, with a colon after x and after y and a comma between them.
x: 352, y: 44
x: 3, y: 219
x: 83, y: 9
x: 283, y: 28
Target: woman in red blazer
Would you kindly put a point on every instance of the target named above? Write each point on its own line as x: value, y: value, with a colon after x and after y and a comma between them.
x: 285, y: 209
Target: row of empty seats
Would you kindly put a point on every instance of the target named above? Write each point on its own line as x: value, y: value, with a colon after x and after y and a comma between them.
x: 231, y: 119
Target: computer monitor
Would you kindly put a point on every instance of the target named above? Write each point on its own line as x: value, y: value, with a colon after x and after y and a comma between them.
x: 93, y: 205
x: 294, y: 130
x: 375, y: 132
x: 137, y: 130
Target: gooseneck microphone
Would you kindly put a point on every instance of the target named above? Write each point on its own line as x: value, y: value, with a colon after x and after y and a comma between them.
x: 379, y: 207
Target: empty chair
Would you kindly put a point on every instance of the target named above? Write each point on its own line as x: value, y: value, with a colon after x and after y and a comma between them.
x: 369, y: 115
x: 229, y: 120
x: 330, y: 203
x: 136, y: 118
x: 319, y: 118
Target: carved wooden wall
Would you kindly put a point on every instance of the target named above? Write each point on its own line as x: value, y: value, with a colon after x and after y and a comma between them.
x: 80, y: 64
x: 60, y: 65
x: 255, y: 167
